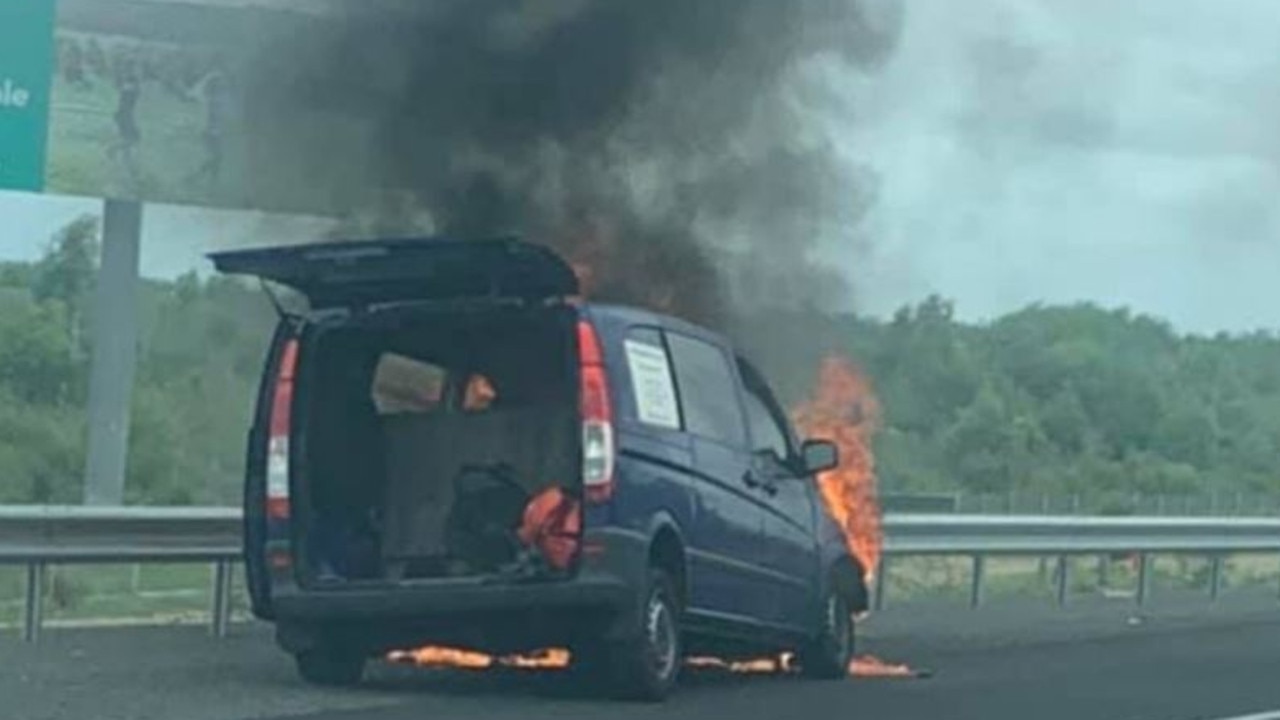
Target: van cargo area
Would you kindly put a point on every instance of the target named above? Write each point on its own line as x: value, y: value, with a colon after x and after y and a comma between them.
x: 429, y: 440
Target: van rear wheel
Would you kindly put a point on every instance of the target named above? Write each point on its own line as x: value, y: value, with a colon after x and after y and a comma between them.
x: 646, y: 665
x: 330, y: 667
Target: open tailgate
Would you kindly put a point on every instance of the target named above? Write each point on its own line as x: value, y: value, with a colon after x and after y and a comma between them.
x: 405, y: 270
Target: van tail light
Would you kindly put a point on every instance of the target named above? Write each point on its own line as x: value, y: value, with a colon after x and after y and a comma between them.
x: 278, y: 440
x: 597, y: 417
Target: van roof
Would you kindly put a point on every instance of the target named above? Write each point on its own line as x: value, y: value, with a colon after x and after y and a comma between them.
x: 630, y: 315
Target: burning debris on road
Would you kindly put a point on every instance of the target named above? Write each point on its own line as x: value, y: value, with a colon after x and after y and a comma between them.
x: 558, y: 658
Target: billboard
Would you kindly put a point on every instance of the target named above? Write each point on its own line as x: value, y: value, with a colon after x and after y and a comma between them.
x: 26, y: 65
x: 170, y: 101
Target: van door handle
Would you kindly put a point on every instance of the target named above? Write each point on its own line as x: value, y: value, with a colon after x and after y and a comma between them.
x: 751, y: 480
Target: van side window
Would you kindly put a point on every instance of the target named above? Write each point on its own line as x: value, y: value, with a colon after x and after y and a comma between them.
x: 768, y: 430
x: 404, y: 385
x: 765, y: 433
x: 652, y: 387
x: 708, y: 392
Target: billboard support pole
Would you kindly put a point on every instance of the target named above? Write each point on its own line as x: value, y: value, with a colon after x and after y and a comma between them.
x: 115, y: 353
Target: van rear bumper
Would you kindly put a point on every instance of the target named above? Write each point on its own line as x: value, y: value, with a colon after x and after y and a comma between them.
x: 410, y: 602
x: 601, y: 600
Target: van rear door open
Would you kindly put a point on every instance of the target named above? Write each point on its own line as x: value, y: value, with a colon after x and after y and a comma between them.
x: 346, y: 274
x: 358, y: 274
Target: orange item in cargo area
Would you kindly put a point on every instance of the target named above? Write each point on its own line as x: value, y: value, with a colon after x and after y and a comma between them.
x: 553, y: 524
x: 479, y: 394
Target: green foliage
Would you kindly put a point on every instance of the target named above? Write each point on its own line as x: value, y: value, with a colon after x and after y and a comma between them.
x: 1063, y: 400
x: 201, y: 347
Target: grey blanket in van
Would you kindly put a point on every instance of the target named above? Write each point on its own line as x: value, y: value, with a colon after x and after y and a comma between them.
x: 425, y: 453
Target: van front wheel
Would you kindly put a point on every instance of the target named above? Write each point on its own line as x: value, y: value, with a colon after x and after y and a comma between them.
x: 828, y: 654
x: 330, y: 667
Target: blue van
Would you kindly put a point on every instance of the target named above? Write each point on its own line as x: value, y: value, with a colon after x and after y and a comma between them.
x: 448, y: 448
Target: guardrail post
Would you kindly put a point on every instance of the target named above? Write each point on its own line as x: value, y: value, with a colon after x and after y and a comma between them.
x: 1215, y: 577
x: 33, y: 612
x: 1064, y: 579
x: 1144, y: 578
x: 975, y: 588
x: 882, y: 580
x: 1104, y: 571
x: 221, y: 611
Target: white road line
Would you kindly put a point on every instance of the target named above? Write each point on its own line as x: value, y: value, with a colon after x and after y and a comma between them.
x: 1272, y: 715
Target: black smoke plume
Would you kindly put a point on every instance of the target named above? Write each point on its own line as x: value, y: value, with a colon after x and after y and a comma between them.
x: 672, y: 149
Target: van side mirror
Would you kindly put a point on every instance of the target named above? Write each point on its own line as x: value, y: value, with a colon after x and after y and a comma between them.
x: 819, y: 456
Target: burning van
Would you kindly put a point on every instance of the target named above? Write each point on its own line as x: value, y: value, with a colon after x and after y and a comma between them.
x: 450, y: 450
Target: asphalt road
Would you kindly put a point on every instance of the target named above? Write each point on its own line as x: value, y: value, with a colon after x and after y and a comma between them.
x: 1095, y: 661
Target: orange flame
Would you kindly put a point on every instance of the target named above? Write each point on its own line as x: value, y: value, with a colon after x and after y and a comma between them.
x: 844, y: 410
x: 872, y: 666
x: 435, y: 656
x: 861, y: 666
x: 755, y: 666
x: 543, y: 659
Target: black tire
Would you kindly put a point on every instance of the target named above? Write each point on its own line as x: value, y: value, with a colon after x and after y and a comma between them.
x: 330, y: 667
x: 828, y: 655
x: 645, y: 666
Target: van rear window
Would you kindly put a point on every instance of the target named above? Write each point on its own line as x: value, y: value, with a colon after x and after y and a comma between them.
x: 403, y: 385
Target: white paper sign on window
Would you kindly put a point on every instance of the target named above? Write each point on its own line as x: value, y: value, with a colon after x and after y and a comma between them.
x: 651, y: 385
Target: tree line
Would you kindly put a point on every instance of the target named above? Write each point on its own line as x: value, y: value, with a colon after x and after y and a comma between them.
x: 1067, y: 400
x: 200, y: 352
x: 1080, y: 400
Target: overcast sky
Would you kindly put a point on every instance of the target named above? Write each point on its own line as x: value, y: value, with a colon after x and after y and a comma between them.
x: 1120, y: 151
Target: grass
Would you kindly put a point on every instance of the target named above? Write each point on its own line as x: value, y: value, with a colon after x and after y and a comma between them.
x: 117, y: 592
x: 948, y: 578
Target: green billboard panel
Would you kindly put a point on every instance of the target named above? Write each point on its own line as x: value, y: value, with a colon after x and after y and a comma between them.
x: 175, y: 101
x: 26, y: 65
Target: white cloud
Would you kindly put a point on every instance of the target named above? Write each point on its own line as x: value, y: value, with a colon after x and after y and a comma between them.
x: 1122, y: 152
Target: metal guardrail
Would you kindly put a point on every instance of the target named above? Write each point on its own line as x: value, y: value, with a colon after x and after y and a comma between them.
x: 981, y: 536
x: 40, y: 536
x: 1200, y: 504
x: 948, y: 534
